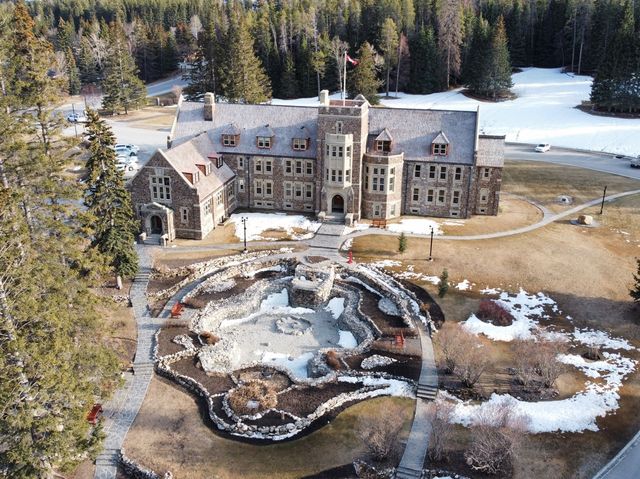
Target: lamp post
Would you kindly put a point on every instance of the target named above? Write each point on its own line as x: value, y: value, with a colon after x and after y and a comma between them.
x: 604, y: 194
x: 431, y: 246
x: 244, y: 223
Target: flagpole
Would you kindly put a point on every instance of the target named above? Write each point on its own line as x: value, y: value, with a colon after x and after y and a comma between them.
x: 344, y: 79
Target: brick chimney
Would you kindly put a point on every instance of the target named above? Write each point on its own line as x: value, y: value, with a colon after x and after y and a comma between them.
x: 324, y: 98
x: 209, y: 106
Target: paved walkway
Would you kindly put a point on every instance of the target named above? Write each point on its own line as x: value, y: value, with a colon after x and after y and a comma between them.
x: 121, y: 410
x: 626, y: 464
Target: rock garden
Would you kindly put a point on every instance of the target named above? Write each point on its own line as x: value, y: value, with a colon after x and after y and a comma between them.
x: 272, y: 342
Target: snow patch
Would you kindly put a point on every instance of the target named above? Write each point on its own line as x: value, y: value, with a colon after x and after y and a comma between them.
x: 335, y: 307
x: 464, y: 285
x: 376, y: 361
x: 258, y: 223
x: 347, y: 339
x: 415, y: 226
x: 590, y: 337
x: 297, y: 366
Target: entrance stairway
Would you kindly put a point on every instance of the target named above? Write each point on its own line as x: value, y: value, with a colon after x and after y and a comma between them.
x: 329, y: 236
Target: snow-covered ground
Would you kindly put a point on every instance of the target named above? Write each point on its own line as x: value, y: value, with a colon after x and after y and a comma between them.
x: 415, y: 226
x: 257, y: 223
x: 544, y: 111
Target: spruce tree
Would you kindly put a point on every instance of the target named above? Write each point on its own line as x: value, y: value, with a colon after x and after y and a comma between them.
x: 402, y: 243
x: 243, y: 79
x: 204, y: 71
x: 73, y: 75
x: 426, y: 66
x: 110, y: 212
x: 389, y: 46
x: 635, y: 291
x: 363, y: 80
x: 121, y: 87
x: 288, y: 80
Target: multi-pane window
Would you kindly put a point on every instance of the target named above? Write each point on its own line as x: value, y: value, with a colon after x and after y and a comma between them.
x: 308, y: 191
x: 298, y: 190
x: 219, y: 197
x: 430, y: 195
x: 257, y: 166
x: 486, y: 172
x: 309, y: 168
x: 264, y: 142
x: 366, y: 178
x: 392, y: 179
x: 229, y: 140
x: 207, y: 206
x: 442, y: 194
x: 455, y: 199
x: 241, y: 186
x: 258, y: 188
x: 268, y: 167
x: 184, y: 215
x: 378, y: 179
x: 416, y: 194
x: 160, y: 188
x: 443, y: 172
x: 298, y: 167
x: 339, y: 127
x: 299, y: 144
x: 326, y: 176
x: 347, y: 175
x: 484, y: 195
x: 268, y: 188
x: 458, y: 174
x: 288, y: 167
x: 288, y: 189
x: 432, y: 172
x: 440, y: 149
x: 383, y: 146
x: 231, y: 193
x: 417, y: 170
x: 240, y: 162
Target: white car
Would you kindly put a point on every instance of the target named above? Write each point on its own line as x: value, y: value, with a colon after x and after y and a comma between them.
x: 77, y: 117
x: 543, y: 147
x: 129, y: 146
x: 124, y: 151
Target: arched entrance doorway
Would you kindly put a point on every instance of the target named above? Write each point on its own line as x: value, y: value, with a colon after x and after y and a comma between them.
x: 337, y: 204
x: 156, y: 225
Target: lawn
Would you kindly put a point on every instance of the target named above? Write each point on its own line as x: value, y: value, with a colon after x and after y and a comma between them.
x: 169, y: 434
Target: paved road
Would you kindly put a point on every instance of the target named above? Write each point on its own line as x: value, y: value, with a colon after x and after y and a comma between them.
x: 625, y: 465
x: 165, y: 86
x: 603, y: 162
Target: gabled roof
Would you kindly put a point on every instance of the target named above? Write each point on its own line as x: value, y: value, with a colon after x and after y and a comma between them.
x: 230, y: 129
x: 441, y: 139
x: 286, y: 122
x: 384, y: 136
x: 490, y: 151
x: 184, y: 158
x: 265, y: 131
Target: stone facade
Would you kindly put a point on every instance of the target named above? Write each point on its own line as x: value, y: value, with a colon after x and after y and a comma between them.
x: 341, y: 160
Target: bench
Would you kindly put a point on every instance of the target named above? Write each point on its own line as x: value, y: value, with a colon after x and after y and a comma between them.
x: 94, y: 414
x: 176, y: 311
x: 379, y: 223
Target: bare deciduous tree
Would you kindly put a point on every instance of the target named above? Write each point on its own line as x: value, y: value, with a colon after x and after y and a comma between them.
x: 338, y: 48
x: 441, y: 430
x: 450, y: 35
x: 547, y: 364
x: 463, y: 353
x: 448, y: 339
x: 380, y: 433
x: 524, y: 362
x: 495, y: 437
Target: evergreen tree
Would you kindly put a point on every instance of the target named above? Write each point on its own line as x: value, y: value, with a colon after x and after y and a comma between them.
x: 108, y: 202
x: 288, y: 80
x: 364, y: 80
x: 635, y: 291
x: 73, y: 75
x: 90, y: 72
x: 121, y: 87
x: 450, y: 36
x: 426, y: 66
x: 402, y: 243
x: 243, y: 77
x: 389, y: 46
x: 443, y: 283
x: 204, y: 70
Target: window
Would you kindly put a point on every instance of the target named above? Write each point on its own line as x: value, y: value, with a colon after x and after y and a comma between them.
x: 327, y: 175
x: 309, y: 168
x: 442, y: 194
x: 299, y: 144
x: 486, y: 172
x: 416, y: 194
x: 268, y: 166
x: 430, y: 195
x: 440, y: 149
x: 455, y: 199
x: 298, y: 167
x: 417, y: 170
x: 258, y: 188
x: 288, y: 190
x: 378, y: 179
x: 432, y: 172
x: 339, y: 126
x: 443, y: 172
x: 333, y: 176
x: 257, y: 166
x: 348, y: 152
x: 383, y: 146
x: 347, y: 175
x: 392, y: 180
x: 219, y: 162
x: 376, y: 209
x: 207, y: 206
x: 241, y: 186
x: 288, y: 169
x: 229, y: 140
x: 264, y: 142
x: 160, y: 188
x: 308, y: 191
x: 268, y: 188
x: 392, y: 211
x: 184, y: 215
x: 219, y: 197
x: 298, y: 189
x: 240, y: 162
x: 231, y: 191
x: 484, y: 196
x: 458, y: 174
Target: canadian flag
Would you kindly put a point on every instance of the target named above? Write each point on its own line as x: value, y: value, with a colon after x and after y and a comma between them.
x: 351, y: 60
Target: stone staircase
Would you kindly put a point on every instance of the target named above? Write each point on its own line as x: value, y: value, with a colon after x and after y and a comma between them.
x: 407, y: 473
x: 328, y: 236
x: 143, y: 275
x: 427, y: 392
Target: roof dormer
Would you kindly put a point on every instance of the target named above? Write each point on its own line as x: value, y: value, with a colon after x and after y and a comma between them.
x: 264, y: 137
x: 301, y: 141
x: 382, y: 142
x: 440, y: 145
x: 230, y: 135
x: 192, y: 178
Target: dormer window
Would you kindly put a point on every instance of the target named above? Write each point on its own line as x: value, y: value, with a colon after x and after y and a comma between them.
x: 339, y: 127
x: 383, y: 146
x: 230, y: 140
x: 219, y: 162
x: 300, y: 144
x: 440, y: 149
x: 264, y: 142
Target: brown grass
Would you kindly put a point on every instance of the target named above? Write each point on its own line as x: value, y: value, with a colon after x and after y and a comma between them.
x: 258, y: 392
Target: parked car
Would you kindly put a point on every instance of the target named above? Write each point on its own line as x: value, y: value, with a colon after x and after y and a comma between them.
x: 77, y: 117
x: 543, y: 147
x: 124, y: 151
x: 635, y: 163
x: 130, y: 146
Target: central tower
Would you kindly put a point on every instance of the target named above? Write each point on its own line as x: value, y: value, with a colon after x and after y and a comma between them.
x: 343, y: 127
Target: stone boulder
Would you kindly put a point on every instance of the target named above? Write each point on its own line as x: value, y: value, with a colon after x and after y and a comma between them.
x: 585, y: 220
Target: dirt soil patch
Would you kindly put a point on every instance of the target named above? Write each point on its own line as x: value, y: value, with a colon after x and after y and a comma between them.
x: 215, y: 383
x: 169, y: 434
x: 306, y: 400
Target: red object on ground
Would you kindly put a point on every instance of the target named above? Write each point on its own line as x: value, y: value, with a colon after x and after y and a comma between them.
x: 94, y: 414
x: 350, y: 260
x: 177, y: 310
x: 400, y: 340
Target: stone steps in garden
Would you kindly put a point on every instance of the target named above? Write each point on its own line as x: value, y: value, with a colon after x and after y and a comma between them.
x: 407, y: 473
x: 143, y: 275
x: 427, y: 392
x: 108, y: 457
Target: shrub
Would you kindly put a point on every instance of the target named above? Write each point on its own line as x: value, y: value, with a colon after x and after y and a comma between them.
x: 333, y: 361
x: 494, y: 313
x: 380, y: 433
x: 441, y: 428
x: 402, y: 243
x: 443, y: 284
x: 252, y: 393
x: 463, y: 353
x: 209, y: 338
x: 546, y: 359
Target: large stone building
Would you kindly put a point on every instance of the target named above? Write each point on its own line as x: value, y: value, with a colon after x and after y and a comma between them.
x: 342, y: 161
